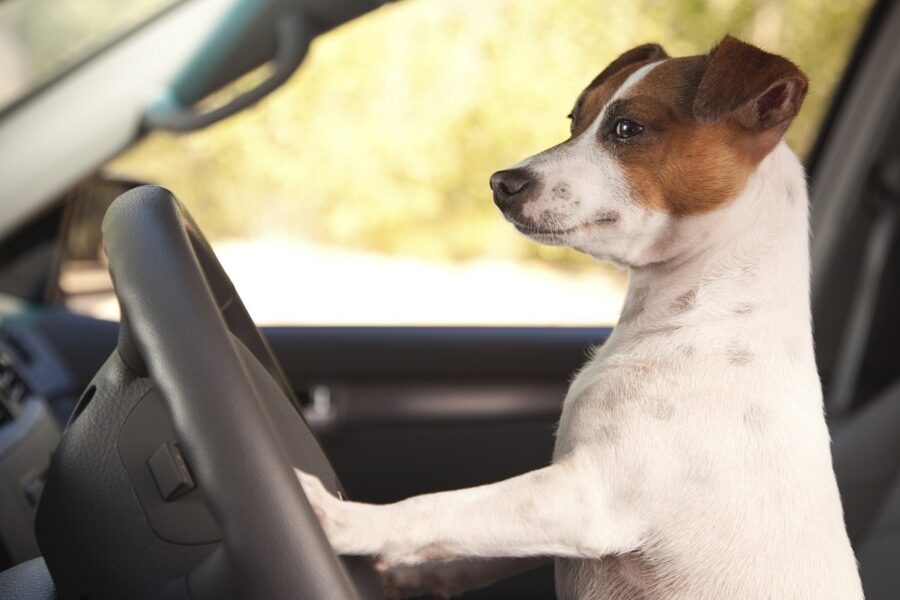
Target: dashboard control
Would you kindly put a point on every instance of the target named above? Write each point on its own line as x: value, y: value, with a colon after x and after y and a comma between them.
x: 170, y: 472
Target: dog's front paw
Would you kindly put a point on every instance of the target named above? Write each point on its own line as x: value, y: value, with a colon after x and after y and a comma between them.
x: 359, y: 529
x: 335, y: 516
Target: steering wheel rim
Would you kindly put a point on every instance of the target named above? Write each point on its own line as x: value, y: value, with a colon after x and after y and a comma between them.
x: 184, y: 325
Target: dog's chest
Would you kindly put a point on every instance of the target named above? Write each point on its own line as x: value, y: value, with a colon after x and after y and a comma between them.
x: 609, y: 398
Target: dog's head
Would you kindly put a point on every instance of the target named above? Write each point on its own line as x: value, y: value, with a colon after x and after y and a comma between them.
x: 653, y: 141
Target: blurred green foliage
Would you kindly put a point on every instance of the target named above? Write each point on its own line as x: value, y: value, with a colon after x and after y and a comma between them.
x: 386, y: 137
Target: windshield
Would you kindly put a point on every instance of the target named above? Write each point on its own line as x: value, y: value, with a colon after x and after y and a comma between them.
x: 357, y: 194
x: 41, y: 40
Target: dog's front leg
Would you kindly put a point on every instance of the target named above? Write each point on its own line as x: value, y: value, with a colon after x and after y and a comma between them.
x: 566, y: 509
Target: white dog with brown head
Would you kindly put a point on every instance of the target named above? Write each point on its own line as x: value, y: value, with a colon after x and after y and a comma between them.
x: 692, y: 458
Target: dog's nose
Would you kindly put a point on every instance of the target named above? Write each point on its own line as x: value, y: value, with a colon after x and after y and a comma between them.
x: 510, y: 184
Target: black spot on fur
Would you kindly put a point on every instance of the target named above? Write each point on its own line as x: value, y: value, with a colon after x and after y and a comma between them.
x: 606, y: 218
x: 562, y: 192
x: 550, y: 217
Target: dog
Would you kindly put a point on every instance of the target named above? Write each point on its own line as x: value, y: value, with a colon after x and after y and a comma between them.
x: 692, y: 458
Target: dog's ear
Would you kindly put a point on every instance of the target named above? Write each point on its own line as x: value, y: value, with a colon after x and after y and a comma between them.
x: 638, y: 54
x: 762, y: 91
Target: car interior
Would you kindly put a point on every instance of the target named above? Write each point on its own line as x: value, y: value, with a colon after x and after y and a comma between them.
x: 380, y: 413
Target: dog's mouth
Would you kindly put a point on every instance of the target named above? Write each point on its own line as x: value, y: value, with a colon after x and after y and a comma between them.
x: 544, y: 232
x: 537, y: 231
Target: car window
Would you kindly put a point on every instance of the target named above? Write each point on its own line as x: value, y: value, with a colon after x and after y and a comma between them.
x: 42, y: 39
x: 358, y: 192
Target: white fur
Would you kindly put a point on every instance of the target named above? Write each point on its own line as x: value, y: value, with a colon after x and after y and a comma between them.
x: 692, y: 458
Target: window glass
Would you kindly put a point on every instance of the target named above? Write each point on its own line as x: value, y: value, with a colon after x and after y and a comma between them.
x: 41, y: 39
x: 358, y: 193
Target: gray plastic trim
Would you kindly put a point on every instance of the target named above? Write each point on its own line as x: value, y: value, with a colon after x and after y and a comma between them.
x: 858, y: 132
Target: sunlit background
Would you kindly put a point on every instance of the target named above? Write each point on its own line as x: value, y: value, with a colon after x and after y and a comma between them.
x: 358, y: 192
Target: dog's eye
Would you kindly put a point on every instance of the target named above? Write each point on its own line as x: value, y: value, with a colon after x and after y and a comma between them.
x: 625, y: 129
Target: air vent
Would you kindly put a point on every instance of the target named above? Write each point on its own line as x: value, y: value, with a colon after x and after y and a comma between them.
x: 12, y: 388
x: 17, y: 348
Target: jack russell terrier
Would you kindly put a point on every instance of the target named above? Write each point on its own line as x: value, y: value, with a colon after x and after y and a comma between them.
x: 692, y: 459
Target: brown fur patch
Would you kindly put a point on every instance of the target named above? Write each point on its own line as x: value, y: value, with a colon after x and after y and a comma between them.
x: 758, y: 90
x: 601, y: 89
x: 708, y: 121
x: 677, y: 165
x: 593, y: 99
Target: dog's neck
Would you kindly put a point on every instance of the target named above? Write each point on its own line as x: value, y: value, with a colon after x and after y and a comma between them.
x: 746, y: 264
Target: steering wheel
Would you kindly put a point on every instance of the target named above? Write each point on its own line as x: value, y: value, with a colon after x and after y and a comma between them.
x: 175, y: 477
